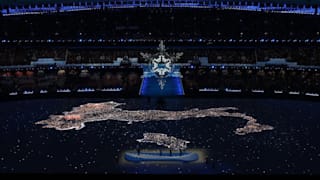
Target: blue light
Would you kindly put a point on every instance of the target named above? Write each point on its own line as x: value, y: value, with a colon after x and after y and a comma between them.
x: 80, y: 40
x: 179, y: 86
x: 143, y: 86
x: 149, y: 87
x: 212, y: 66
x: 191, y: 67
x: 222, y: 67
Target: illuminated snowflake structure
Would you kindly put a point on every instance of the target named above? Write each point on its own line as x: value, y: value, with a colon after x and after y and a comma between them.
x: 161, y: 63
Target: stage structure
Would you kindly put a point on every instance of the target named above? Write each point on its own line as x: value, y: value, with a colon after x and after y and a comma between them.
x: 172, y: 143
x: 161, y: 76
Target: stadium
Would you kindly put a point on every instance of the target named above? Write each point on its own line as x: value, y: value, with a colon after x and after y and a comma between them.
x: 238, y: 80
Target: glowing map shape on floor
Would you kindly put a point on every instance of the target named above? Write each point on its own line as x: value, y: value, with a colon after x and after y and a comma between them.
x: 91, y: 112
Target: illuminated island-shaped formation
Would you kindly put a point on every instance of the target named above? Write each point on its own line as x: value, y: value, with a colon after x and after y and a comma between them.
x: 92, y: 112
x: 172, y: 143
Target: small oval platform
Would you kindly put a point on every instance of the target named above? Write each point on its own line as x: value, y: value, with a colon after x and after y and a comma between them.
x: 150, y: 156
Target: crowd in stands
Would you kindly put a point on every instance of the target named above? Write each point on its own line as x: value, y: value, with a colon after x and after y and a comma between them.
x: 113, y: 27
x: 74, y: 78
x: 225, y: 55
x: 269, y: 79
x: 31, y: 38
x: 160, y: 23
x: 246, y: 79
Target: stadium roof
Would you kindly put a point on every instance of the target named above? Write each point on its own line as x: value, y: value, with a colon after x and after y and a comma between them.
x: 20, y: 2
